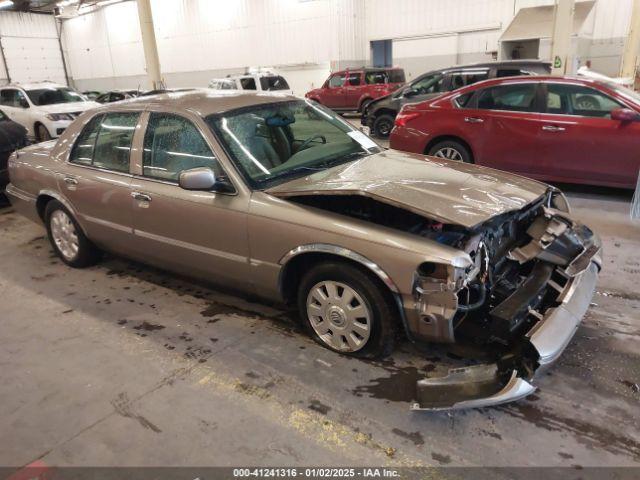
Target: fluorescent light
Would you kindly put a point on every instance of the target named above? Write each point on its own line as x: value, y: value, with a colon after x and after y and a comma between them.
x: 6, y: 3
x: 66, y: 3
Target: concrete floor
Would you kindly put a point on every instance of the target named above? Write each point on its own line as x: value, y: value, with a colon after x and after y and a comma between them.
x: 124, y: 365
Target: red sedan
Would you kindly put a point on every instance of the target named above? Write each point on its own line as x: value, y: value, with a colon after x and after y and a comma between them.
x: 551, y: 128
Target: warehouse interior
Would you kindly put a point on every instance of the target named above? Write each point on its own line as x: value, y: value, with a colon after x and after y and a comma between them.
x: 487, y: 222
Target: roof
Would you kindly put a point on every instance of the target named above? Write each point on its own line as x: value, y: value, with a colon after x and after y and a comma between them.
x: 527, y: 79
x: 35, y: 85
x: 206, y: 102
x: 537, y: 22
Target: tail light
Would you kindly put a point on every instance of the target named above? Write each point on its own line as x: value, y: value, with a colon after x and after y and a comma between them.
x: 403, y: 118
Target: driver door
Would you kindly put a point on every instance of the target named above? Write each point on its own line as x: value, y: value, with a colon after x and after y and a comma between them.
x: 198, y: 233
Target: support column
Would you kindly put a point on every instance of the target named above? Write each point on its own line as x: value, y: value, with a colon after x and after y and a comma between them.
x: 562, y: 33
x: 149, y: 43
x: 632, y: 45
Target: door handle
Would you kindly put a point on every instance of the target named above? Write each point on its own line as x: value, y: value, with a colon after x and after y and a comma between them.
x: 553, y: 128
x: 141, y: 197
x: 71, y: 183
x: 473, y: 120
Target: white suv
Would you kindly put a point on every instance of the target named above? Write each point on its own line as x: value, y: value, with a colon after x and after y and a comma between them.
x: 261, y: 82
x: 44, y: 109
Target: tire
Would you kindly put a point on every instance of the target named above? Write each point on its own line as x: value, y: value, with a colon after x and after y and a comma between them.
x: 451, y: 150
x: 382, y: 125
x: 42, y: 134
x: 67, y: 238
x: 370, y: 335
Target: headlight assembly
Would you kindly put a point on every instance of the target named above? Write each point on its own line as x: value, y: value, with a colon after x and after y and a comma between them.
x: 56, y: 117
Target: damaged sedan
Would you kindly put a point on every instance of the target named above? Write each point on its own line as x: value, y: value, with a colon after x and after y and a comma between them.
x: 280, y: 198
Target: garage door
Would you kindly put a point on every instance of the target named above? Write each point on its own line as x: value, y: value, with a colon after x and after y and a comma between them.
x: 33, y: 59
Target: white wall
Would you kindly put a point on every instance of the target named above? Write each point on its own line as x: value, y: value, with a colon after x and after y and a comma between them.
x: 303, y: 39
x: 31, y: 48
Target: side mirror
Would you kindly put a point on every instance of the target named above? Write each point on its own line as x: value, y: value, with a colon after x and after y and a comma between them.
x: 625, y: 115
x: 201, y: 178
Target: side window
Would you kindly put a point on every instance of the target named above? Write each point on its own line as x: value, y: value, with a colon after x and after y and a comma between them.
x: 565, y: 99
x: 20, y: 100
x: 337, y: 80
x: 82, y: 152
x: 248, y: 83
x: 376, y: 77
x: 519, y: 97
x: 113, y: 145
x: 173, y: 144
x: 463, y: 100
x: 7, y: 97
x: 430, y: 84
x: 468, y: 77
x: 353, y: 79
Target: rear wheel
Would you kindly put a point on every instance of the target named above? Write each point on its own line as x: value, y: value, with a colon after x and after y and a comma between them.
x: 346, y: 310
x: 383, y: 125
x: 67, y: 238
x: 451, y: 150
x: 42, y: 134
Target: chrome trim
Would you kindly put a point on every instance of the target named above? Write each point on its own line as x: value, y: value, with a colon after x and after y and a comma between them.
x: 190, y: 246
x: 342, y: 252
x: 20, y: 194
x: 105, y: 223
x: 515, y: 389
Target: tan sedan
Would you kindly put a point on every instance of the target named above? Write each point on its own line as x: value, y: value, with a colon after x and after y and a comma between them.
x: 281, y: 198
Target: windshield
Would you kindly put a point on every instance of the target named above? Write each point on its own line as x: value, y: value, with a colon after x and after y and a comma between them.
x: 624, y: 92
x: 274, y: 143
x: 52, y: 96
x: 274, y: 83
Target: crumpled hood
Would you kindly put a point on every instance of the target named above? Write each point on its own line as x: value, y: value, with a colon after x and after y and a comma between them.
x: 69, y: 107
x: 443, y: 190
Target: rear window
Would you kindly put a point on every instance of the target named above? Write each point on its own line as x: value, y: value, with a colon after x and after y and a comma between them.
x: 275, y: 82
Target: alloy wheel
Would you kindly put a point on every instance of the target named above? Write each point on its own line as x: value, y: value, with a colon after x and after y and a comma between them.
x: 448, y: 153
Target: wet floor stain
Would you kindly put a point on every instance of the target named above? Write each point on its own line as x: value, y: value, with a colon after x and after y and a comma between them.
x: 318, y: 406
x: 586, y: 433
x: 399, y: 386
x: 122, y: 406
x: 415, y: 437
x: 441, y: 459
x: 566, y: 456
x: 148, y: 327
x: 634, y: 387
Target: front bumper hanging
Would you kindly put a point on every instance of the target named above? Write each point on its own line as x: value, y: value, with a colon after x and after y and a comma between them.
x: 493, y: 384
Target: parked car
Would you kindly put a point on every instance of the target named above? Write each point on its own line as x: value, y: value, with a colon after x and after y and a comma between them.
x: 261, y: 82
x: 161, y: 91
x: 12, y: 137
x: 354, y: 89
x: 117, y: 96
x: 279, y: 197
x: 44, y: 109
x: 572, y: 130
x: 380, y: 114
x: 92, y: 94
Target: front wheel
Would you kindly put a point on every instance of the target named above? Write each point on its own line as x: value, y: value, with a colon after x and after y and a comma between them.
x: 67, y: 238
x: 383, y: 125
x: 347, y: 311
x: 451, y: 150
x: 42, y: 134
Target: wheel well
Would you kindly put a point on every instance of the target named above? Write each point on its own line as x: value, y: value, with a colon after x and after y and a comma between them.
x: 445, y: 138
x: 362, y: 102
x: 41, y: 204
x: 293, y: 271
x: 386, y: 111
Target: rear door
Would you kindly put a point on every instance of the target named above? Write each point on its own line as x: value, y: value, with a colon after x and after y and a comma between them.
x: 579, y: 140
x: 96, y: 178
x: 505, y: 123
x: 198, y: 233
x: 353, y: 89
x: 16, y: 106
